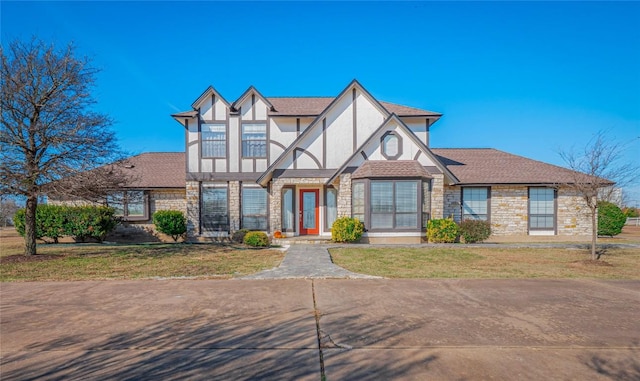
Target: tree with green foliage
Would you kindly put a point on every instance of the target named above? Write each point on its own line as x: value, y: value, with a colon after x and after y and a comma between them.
x: 170, y: 222
x: 51, y: 141
x: 611, y: 219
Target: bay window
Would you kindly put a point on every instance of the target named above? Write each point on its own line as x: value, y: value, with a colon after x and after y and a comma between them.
x: 385, y: 205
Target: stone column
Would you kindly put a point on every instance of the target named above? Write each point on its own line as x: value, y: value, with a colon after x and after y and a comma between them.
x: 234, y: 205
x: 437, y: 197
x: 275, y: 204
x: 344, y: 195
x: 193, y: 208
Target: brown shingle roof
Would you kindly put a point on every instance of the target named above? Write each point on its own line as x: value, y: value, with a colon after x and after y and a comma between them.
x: 312, y: 106
x: 157, y: 170
x: 491, y: 166
x: 390, y: 168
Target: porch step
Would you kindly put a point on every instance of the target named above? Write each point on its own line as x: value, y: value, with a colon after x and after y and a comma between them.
x: 301, y: 240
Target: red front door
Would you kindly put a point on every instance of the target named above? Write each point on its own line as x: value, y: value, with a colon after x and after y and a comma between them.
x: 309, y: 216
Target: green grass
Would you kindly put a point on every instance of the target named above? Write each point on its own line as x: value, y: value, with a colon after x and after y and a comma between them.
x: 68, y: 262
x: 490, y: 263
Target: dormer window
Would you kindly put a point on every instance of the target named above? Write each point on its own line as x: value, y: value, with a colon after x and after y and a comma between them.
x: 391, y: 145
x: 214, y: 140
x: 254, y: 140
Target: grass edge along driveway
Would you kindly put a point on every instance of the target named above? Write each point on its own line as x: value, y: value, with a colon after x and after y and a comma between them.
x: 487, y: 263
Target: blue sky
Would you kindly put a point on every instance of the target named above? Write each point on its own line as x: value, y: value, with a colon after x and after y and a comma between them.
x: 530, y: 78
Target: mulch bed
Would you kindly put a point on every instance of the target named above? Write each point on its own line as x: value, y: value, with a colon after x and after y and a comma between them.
x: 18, y: 258
x: 591, y: 262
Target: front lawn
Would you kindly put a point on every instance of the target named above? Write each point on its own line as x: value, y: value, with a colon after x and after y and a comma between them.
x: 490, y: 262
x: 62, y: 262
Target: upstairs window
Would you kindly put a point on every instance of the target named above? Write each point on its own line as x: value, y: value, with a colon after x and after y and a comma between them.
x: 475, y: 203
x: 391, y: 145
x: 254, y: 140
x: 214, y: 140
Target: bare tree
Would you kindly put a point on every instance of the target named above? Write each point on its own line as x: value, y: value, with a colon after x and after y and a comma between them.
x: 49, y: 132
x: 597, y: 168
x: 8, y: 207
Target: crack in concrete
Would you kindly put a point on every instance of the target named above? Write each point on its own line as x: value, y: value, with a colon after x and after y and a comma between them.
x: 316, y: 314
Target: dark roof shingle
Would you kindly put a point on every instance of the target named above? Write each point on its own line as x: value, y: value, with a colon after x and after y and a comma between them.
x: 157, y: 170
x: 312, y: 106
x: 390, y: 168
x: 491, y: 166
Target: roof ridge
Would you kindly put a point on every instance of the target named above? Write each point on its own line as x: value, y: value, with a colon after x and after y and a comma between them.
x: 301, y: 96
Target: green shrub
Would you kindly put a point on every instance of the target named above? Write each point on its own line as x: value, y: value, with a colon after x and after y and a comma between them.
x: 473, y: 231
x: 170, y: 222
x: 49, y: 221
x: 347, y: 229
x: 611, y: 219
x: 238, y: 235
x: 258, y: 239
x: 80, y: 222
x: 442, y: 231
x: 84, y: 222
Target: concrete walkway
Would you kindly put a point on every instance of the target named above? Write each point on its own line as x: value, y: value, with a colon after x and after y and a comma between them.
x: 307, y: 261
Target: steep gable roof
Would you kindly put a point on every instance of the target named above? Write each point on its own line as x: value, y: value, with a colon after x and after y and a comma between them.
x: 265, y: 177
x: 491, y: 166
x: 412, y: 136
x: 247, y: 92
x: 207, y: 93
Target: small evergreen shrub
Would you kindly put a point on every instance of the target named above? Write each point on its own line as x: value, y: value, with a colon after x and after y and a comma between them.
x: 347, y: 229
x: 611, y: 219
x: 170, y: 222
x: 94, y: 222
x: 442, y: 231
x: 473, y: 231
x: 256, y: 239
x: 238, y: 235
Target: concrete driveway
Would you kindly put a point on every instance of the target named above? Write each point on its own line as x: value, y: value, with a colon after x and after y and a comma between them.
x: 303, y: 329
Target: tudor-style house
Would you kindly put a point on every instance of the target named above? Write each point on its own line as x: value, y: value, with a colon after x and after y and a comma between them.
x: 295, y: 164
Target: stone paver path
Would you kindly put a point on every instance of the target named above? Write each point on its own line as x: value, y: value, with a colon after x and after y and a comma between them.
x: 307, y: 261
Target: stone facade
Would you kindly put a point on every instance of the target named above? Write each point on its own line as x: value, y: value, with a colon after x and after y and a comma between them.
x: 234, y: 205
x: 344, y: 195
x: 437, y: 196
x: 574, y: 216
x: 193, y: 208
x: 451, y: 200
x: 275, y: 196
x: 509, y: 210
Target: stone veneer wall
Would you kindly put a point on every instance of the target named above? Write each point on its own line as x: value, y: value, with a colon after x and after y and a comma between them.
x: 193, y: 208
x: 451, y: 198
x: 234, y: 205
x: 437, y: 196
x: 574, y: 216
x: 275, y: 199
x: 509, y: 214
x: 344, y: 195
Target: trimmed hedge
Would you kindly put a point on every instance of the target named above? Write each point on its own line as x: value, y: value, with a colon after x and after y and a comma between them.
x: 170, y: 222
x: 473, y: 231
x: 611, y: 219
x: 442, y: 231
x: 347, y: 229
x: 257, y: 239
x: 79, y: 222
